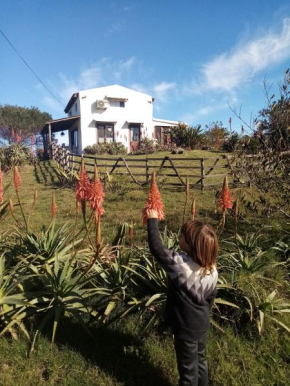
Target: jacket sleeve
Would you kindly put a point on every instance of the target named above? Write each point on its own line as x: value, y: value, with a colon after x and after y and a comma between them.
x: 163, y: 255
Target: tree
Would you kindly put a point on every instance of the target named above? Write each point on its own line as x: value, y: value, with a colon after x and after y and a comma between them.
x: 269, y: 170
x: 20, y: 121
x: 187, y: 136
x: 273, y: 123
x: 215, y: 134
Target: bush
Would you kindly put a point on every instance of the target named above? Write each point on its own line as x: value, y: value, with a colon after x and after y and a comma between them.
x: 12, y: 155
x: 106, y: 148
x: 231, y: 142
x: 147, y: 146
x: 186, y: 136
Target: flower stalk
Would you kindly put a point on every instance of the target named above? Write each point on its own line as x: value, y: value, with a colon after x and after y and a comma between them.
x: 193, y: 211
x: 17, y: 181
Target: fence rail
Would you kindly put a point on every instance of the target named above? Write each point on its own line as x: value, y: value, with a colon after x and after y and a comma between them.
x: 201, y: 172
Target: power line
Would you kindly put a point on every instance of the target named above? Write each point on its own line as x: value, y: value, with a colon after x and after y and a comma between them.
x: 27, y: 65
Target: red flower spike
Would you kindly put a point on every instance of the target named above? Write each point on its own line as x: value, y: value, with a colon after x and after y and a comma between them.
x: 83, y: 190
x: 1, y: 187
x: 12, y: 134
x: 225, y: 200
x: 193, y: 209
x: 16, y: 178
x: 97, y: 197
x: 153, y: 201
x: 53, y: 207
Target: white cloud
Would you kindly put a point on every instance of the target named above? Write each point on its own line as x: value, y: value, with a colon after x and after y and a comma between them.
x: 102, y: 73
x: 139, y: 87
x: 201, y: 112
x: 161, y: 90
x: 129, y: 8
x: 229, y: 70
x: 113, y: 28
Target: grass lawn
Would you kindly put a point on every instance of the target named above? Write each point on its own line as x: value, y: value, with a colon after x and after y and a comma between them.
x: 117, y: 356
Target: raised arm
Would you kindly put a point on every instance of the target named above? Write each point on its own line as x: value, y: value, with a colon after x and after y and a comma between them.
x: 169, y: 260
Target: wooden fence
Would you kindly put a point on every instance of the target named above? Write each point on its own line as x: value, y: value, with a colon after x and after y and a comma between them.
x: 201, y: 172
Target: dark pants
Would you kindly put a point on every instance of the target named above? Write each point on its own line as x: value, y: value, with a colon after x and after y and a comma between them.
x: 191, y: 362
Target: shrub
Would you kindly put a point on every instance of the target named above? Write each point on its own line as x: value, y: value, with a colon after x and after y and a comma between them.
x: 147, y: 146
x: 12, y: 155
x: 106, y: 148
x: 231, y: 142
x: 186, y: 136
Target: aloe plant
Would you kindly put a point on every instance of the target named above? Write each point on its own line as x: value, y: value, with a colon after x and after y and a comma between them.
x: 269, y: 308
x: 13, y: 297
x: 246, y: 255
x: 113, y: 279
x: 66, y: 290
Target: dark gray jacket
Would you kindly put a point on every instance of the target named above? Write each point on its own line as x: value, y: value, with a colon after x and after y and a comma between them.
x: 190, y: 293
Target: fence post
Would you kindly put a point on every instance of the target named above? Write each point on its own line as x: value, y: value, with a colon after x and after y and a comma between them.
x: 72, y: 158
x: 147, y: 170
x: 202, y: 173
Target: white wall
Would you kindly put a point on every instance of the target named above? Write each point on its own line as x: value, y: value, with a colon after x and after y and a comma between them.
x: 138, y: 108
x: 75, y: 109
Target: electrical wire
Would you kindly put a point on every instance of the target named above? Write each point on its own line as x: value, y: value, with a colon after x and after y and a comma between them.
x: 27, y: 65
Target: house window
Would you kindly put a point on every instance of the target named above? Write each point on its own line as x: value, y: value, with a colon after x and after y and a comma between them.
x: 105, y: 133
x: 135, y: 133
x: 101, y: 134
x: 116, y: 103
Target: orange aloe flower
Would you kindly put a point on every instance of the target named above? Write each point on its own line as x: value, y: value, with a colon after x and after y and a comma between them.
x: 53, y: 207
x: 83, y: 190
x: 16, y: 178
x: 1, y: 187
x: 97, y: 196
x: 225, y: 199
x: 153, y: 201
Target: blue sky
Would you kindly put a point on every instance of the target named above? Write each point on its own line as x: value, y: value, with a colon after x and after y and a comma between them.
x: 195, y: 57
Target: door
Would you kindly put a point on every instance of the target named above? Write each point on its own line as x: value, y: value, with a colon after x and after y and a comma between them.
x: 135, y: 137
x: 74, y: 140
x: 158, y: 134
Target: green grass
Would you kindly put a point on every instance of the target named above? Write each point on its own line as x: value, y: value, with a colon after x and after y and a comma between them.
x: 122, y: 204
x: 117, y: 356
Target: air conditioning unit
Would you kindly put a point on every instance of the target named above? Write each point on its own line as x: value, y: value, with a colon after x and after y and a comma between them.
x: 101, y: 104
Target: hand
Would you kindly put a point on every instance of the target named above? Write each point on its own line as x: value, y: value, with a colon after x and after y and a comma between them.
x: 151, y: 213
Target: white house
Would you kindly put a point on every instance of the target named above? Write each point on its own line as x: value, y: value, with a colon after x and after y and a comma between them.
x: 109, y: 114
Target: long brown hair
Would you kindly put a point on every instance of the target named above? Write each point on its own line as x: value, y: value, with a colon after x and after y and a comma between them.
x: 202, y: 243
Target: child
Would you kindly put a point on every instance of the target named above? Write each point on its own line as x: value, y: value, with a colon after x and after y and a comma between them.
x: 191, y: 292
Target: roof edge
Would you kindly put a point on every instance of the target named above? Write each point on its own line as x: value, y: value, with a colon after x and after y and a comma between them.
x: 71, y: 102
